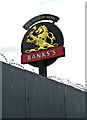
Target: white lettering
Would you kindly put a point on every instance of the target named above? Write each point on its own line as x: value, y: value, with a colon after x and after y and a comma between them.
x: 43, y: 17
x: 48, y: 17
x: 54, y: 52
x: 48, y: 54
x: 33, y: 57
x: 43, y: 54
x: 39, y: 55
x: 29, y: 57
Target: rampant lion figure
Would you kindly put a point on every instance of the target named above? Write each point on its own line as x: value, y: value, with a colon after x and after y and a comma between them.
x: 40, y: 40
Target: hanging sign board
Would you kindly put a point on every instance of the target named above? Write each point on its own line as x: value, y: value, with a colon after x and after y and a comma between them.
x: 42, y: 41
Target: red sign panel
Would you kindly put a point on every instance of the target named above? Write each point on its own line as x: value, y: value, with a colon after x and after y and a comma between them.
x: 40, y: 55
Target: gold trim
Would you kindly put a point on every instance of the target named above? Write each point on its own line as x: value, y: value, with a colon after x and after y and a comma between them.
x: 40, y: 40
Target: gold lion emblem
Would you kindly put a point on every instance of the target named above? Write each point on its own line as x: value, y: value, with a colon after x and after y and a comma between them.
x: 40, y: 39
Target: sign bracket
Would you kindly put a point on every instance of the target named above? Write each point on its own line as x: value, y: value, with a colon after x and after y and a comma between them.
x: 43, y: 42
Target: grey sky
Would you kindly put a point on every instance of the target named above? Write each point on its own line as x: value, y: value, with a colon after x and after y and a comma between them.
x: 8, y: 49
x: 42, y: 2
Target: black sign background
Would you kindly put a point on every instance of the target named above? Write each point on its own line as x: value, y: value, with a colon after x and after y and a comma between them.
x: 51, y: 28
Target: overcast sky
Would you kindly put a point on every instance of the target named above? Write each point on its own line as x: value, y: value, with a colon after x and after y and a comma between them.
x: 15, y: 13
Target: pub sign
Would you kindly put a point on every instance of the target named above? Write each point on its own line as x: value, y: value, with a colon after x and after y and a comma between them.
x: 43, y: 41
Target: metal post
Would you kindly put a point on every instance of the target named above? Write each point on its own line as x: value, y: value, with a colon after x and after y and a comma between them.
x: 42, y: 68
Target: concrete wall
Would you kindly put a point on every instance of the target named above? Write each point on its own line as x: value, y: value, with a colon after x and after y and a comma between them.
x: 0, y: 90
x: 28, y: 95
